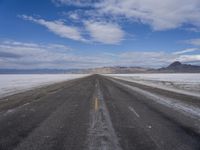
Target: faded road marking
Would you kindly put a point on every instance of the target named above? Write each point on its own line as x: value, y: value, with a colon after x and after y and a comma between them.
x: 96, y: 104
x: 175, y: 104
x: 101, y: 134
x: 133, y: 110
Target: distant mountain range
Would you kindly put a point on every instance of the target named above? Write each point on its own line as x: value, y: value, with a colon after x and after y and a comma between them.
x: 175, y: 67
x: 178, y: 67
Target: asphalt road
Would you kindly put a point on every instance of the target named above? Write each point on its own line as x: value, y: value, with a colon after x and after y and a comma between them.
x: 99, y: 113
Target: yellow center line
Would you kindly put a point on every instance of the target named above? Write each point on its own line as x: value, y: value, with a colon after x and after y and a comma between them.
x: 96, y: 104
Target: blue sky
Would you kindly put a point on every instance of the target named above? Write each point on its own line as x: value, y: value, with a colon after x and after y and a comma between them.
x: 66, y: 34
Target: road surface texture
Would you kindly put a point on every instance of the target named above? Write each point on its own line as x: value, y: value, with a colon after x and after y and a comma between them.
x: 99, y: 113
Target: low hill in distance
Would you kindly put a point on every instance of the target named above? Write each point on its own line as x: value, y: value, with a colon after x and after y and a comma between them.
x: 175, y: 67
x: 115, y: 70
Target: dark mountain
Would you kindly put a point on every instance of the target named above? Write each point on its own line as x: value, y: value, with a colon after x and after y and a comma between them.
x: 178, y: 67
x: 175, y: 64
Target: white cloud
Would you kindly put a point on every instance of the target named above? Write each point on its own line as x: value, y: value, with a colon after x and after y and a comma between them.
x: 103, y: 32
x: 22, y: 55
x: 189, y: 58
x: 145, y: 58
x: 186, y: 51
x: 33, y: 50
x: 32, y: 55
x: 195, y: 42
x: 74, y: 16
x: 160, y: 15
x: 58, y: 27
x: 80, y: 3
x: 153, y: 59
x: 34, y: 45
x: 193, y: 29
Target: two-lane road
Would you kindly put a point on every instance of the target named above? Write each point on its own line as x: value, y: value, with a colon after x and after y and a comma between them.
x: 99, y: 113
